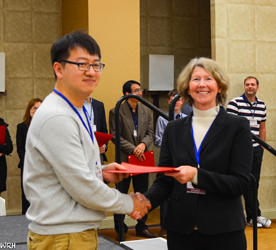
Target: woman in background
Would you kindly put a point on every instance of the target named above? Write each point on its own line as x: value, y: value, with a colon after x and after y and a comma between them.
x: 5, y: 149
x: 21, y: 135
x: 205, y: 209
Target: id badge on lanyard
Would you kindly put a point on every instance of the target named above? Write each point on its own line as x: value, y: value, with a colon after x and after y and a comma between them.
x: 94, y: 128
x: 253, y: 123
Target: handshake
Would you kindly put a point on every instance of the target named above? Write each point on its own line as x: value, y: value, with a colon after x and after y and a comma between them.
x: 141, y: 206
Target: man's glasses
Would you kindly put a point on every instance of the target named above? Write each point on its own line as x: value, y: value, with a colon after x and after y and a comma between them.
x: 86, y: 66
x: 137, y: 90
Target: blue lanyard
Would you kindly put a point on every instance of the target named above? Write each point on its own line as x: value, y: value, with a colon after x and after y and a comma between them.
x: 135, y: 120
x: 91, y: 111
x: 197, y: 152
x: 135, y: 124
x: 253, y: 114
x: 76, y: 111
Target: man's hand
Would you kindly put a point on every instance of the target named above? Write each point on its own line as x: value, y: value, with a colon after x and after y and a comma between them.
x: 185, y: 174
x: 114, y: 178
x: 102, y: 149
x: 141, y: 205
x: 139, y: 151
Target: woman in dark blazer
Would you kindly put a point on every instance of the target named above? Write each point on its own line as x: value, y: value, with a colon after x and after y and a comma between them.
x: 5, y: 149
x: 212, y: 151
x: 21, y: 135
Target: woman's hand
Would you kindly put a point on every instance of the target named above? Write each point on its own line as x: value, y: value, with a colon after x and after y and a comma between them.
x: 185, y: 174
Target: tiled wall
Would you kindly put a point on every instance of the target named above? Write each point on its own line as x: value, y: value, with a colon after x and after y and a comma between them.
x: 27, y: 30
x: 244, y: 43
x: 175, y: 27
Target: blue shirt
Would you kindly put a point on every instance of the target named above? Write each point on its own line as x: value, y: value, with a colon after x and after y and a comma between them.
x: 90, y: 111
x: 161, y: 124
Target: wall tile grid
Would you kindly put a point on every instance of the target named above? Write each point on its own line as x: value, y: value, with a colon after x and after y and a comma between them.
x: 179, y: 27
x: 244, y: 43
x: 27, y: 30
x: 1, y: 29
x: 268, y: 169
x: 266, y: 193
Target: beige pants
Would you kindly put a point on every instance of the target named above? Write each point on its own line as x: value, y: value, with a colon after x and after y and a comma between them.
x: 87, y: 240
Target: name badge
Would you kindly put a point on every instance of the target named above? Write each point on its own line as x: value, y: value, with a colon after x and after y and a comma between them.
x: 192, y: 190
x: 94, y: 128
x: 253, y: 123
x: 98, y: 172
x: 135, y: 133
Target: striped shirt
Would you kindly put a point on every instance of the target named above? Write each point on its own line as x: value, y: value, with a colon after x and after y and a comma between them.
x: 255, y: 112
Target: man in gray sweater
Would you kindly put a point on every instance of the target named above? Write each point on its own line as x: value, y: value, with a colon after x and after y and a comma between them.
x: 64, y: 180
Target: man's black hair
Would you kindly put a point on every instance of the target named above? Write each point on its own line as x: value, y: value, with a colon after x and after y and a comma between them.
x: 63, y: 45
x: 127, y: 86
x: 173, y: 92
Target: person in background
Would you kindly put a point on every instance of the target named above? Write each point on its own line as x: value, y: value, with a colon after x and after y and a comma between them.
x: 205, y: 210
x: 5, y: 149
x: 161, y: 124
x: 187, y: 109
x: 96, y: 116
x: 254, y: 109
x: 136, y: 136
x: 21, y: 135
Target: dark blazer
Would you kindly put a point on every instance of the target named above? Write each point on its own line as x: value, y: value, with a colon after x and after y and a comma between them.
x: 100, y: 120
x: 21, y: 135
x: 128, y: 141
x: 224, y: 173
x: 6, y: 149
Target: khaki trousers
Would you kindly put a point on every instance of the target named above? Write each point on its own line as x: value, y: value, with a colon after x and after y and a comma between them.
x: 86, y: 240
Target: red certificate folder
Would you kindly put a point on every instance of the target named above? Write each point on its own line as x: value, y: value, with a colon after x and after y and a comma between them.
x: 102, y: 138
x: 136, y: 169
x: 2, y: 134
x: 132, y: 159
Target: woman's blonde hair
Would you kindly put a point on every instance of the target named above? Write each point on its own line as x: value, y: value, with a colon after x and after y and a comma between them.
x: 213, y: 69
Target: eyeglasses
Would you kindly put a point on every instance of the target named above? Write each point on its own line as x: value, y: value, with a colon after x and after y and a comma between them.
x: 137, y: 90
x: 97, y: 67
